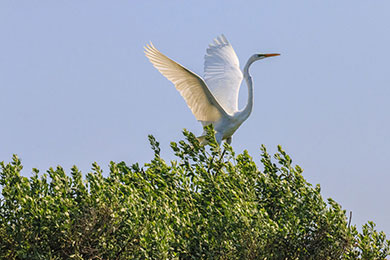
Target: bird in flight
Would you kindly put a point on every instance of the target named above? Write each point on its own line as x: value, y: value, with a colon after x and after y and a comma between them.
x: 212, y: 99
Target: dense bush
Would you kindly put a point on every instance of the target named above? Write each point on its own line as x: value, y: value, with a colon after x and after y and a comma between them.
x: 205, y: 205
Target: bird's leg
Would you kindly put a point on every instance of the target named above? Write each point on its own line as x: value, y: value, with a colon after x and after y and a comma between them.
x: 223, y: 153
x: 229, y: 141
x: 218, y: 137
x: 211, y: 164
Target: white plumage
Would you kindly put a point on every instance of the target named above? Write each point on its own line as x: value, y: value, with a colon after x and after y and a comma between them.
x: 213, y: 100
x: 222, y: 73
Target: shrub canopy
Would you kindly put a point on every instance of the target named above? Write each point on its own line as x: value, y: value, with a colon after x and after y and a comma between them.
x: 207, y: 204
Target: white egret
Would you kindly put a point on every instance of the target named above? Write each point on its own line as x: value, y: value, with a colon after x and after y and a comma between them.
x: 213, y: 99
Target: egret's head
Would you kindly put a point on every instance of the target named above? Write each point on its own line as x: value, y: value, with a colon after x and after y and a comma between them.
x: 262, y: 56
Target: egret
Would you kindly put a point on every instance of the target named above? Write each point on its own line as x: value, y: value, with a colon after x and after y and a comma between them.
x: 213, y: 99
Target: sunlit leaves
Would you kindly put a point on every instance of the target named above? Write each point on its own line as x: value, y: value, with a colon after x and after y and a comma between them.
x: 208, y: 204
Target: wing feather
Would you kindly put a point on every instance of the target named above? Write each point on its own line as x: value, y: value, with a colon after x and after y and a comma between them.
x: 222, y: 73
x: 193, y: 89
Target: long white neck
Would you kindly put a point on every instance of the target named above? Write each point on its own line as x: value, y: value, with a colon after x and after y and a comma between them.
x: 248, y: 108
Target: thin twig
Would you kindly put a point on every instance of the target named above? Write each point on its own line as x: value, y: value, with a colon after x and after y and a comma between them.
x: 350, y: 218
x: 349, y: 225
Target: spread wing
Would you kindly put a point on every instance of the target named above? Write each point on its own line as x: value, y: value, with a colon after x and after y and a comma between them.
x: 193, y: 89
x: 222, y: 73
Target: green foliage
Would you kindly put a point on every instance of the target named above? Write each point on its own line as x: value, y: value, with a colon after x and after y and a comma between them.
x: 208, y: 204
x: 369, y: 244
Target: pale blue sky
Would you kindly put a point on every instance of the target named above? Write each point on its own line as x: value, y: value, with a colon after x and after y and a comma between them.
x: 76, y: 88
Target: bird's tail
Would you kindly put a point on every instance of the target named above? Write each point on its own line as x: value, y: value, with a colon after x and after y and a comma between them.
x: 202, y: 139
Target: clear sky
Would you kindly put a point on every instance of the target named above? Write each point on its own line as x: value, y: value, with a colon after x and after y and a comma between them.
x: 75, y: 86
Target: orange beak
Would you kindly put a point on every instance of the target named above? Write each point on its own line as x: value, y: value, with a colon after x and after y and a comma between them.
x: 271, y: 55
